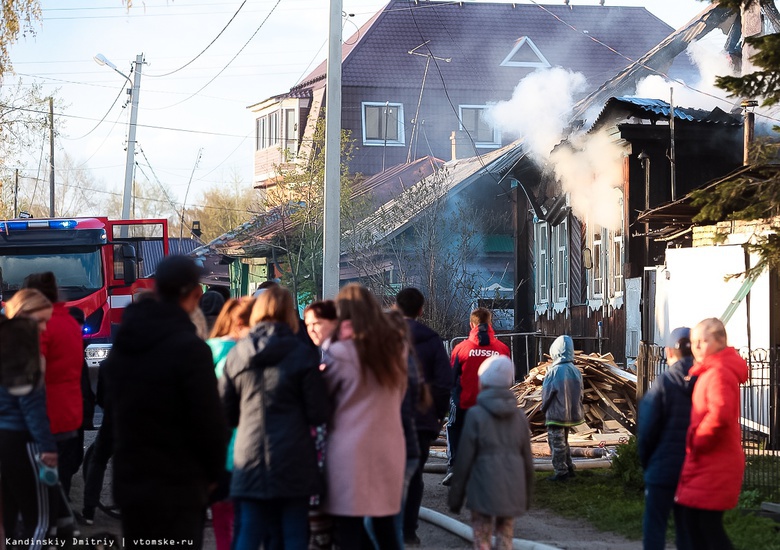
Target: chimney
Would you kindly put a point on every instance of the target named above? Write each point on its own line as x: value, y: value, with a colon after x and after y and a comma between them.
x: 461, y: 145
x: 748, y: 128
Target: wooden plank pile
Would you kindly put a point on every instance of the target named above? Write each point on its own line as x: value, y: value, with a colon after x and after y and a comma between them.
x: 609, y: 400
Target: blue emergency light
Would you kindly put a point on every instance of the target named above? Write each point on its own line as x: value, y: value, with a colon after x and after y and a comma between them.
x: 37, y: 224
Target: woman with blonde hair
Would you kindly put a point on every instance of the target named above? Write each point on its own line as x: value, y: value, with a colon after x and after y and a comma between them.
x: 366, y: 376
x: 272, y: 390
x: 26, y: 443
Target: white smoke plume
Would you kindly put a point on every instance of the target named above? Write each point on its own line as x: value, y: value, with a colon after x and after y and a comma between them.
x: 711, y: 60
x: 539, y: 110
x: 589, y: 166
x: 590, y: 170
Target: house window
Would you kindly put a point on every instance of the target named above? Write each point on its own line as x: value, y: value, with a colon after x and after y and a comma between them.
x: 267, y: 130
x: 616, y: 263
x: 273, y: 128
x: 290, y: 133
x: 541, y: 270
x: 261, y: 133
x: 560, y: 236
x: 472, y: 120
x: 383, y: 123
x: 524, y: 53
x: 596, y: 274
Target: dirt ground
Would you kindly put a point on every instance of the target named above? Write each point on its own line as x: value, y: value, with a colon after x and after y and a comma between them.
x: 539, y: 526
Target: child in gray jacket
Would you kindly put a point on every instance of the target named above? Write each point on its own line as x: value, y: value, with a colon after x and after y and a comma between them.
x: 494, y: 467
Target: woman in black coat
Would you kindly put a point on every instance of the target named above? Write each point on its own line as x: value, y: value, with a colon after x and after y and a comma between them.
x: 273, y: 391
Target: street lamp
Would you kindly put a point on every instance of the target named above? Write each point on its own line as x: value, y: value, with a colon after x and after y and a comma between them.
x: 134, y: 91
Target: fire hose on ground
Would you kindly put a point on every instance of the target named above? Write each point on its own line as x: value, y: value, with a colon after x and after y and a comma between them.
x: 590, y: 458
x: 464, y: 531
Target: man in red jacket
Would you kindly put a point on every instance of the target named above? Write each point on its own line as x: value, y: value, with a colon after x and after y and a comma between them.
x: 711, y: 477
x: 466, y: 359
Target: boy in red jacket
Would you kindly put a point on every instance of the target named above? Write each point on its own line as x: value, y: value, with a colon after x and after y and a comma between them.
x: 466, y: 360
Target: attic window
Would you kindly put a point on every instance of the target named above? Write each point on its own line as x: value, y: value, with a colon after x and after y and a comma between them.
x: 525, y: 54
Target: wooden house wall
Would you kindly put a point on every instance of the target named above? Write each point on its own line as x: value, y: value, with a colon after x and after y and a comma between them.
x: 582, y: 326
x: 703, y: 152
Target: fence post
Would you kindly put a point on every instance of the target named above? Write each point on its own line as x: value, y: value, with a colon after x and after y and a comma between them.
x: 642, y: 369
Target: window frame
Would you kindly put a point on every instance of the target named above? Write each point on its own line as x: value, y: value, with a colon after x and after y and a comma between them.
x: 373, y: 142
x: 495, y: 143
x: 596, y: 299
x: 560, y: 265
x: 261, y: 132
x: 541, y: 266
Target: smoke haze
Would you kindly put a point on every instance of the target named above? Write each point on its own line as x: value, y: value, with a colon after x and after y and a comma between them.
x: 589, y: 166
x: 539, y: 109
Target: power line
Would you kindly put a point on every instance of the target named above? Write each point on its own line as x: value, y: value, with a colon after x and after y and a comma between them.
x: 231, y: 60
x: 204, y: 49
x: 152, y: 126
x: 452, y: 105
x: 122, y: 89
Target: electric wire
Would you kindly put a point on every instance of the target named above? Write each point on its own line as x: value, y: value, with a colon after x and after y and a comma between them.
x: 204, y: 49
x: 229, y: 62
x: 101, y: 120
x: 635, y: 62
x: 454, y: 110
x: 144, y: 198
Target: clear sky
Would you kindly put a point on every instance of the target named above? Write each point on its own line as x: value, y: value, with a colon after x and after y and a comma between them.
x: 268, y: 47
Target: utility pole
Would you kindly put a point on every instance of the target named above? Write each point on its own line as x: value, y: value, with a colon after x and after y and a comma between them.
x: 16, y: 193
x: 331, y: 241
x: 672, y: 153
x: 130, y: 164
x: 51, y: 157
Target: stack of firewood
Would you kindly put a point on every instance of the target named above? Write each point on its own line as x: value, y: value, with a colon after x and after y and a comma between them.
x: 609, y: 399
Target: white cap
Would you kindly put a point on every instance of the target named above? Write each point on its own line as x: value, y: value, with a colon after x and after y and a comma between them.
x: 497, y: 371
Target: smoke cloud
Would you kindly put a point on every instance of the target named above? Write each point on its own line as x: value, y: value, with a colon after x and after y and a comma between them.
x: 590, y: 170
x: 588, y: 166
x: 711, y: 60
x: 539, y: 110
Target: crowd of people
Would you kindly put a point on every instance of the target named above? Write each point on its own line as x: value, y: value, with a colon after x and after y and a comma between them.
x: 314, y: 432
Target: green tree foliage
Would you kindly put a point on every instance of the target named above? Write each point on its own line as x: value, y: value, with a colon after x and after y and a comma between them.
x: 764, y: 83
x: 19, y: 17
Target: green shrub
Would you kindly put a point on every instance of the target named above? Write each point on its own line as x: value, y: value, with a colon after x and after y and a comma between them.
x: 626, y: 466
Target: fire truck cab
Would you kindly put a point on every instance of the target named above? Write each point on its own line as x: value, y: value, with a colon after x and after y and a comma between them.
x: 99, y: 264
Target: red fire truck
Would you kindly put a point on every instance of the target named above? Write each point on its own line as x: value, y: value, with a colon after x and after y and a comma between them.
x: 99, y: 264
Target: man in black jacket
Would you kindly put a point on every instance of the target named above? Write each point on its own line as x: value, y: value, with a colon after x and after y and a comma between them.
x: 170, y: 432
x: 435, y: 367
x: 664, y: 417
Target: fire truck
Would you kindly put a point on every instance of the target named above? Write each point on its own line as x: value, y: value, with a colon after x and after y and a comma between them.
x: 99, y: 264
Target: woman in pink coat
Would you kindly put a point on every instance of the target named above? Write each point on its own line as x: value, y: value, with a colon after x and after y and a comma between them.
x: 366, y: 377
x: 711, y: 477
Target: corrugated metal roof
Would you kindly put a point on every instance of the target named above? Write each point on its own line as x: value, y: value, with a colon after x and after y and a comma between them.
x: 658, y: 107
x: 152, y: 252
x: 255, y: 237
x: 620, y: 108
